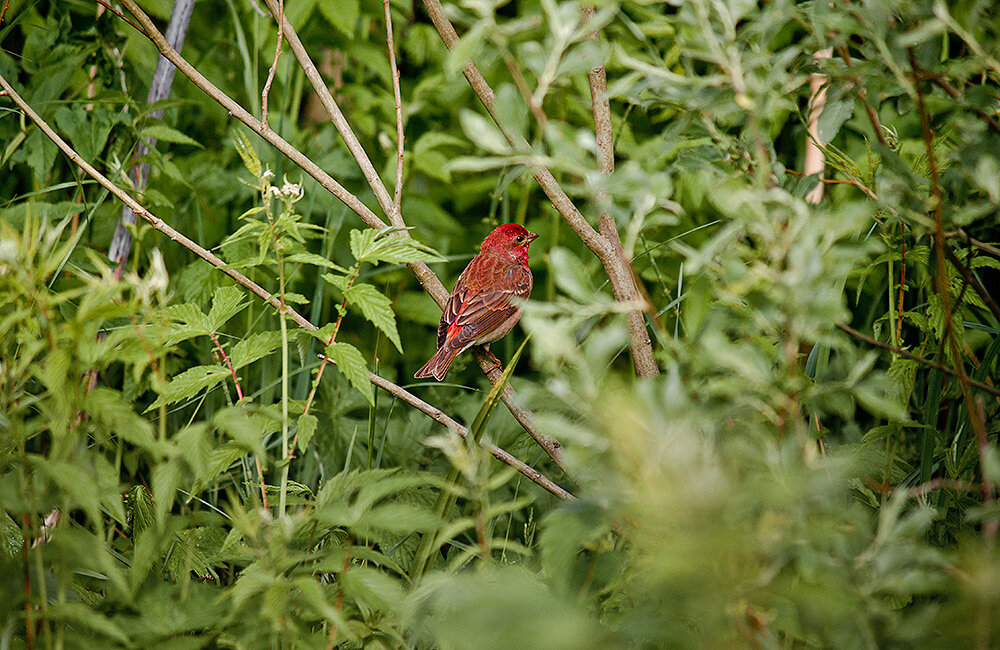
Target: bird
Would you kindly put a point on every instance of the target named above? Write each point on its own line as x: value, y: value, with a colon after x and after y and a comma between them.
x: 479, y: 309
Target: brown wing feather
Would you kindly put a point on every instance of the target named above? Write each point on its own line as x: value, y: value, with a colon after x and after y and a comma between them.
x: 477, y: 310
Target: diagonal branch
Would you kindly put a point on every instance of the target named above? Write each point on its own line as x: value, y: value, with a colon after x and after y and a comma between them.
x: 639, y: 342
x: 240, y: 113
x: 427, y: 278
x: 616, y: 265
x: 246, y: 282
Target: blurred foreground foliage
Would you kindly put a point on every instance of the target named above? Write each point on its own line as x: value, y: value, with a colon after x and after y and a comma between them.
x: 780, y: 483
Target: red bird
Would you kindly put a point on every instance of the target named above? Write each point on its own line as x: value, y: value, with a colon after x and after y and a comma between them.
x: 479, y: 309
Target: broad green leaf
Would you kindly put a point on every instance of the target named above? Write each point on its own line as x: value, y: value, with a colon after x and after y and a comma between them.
x: 168, y: 134
x: 306, y: 429
x: 376, y: 308
x: 342, y: 14
x: 350, y: 362
x: 483, y: 132
x: 226, y: 303
x: 189, y: 383
x: 254, y: 347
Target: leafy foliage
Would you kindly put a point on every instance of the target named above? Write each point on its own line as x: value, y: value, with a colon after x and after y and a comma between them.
x: 177, y: 468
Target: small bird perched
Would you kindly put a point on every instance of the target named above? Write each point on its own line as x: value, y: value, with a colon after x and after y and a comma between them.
x: 479, y: 309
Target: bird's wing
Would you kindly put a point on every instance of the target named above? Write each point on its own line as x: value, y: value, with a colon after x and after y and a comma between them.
x: 471, y: 313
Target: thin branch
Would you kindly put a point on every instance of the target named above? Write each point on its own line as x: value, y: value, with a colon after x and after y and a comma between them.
x: 964, y: 236
x: 427, y: 278
x: 615, y: 264
x: 211, y: 258
x: 274, y: 66
x: 439, y: 416
x: 325, y: 180
x: 639, y: 341
x: 543, y: 176
x: 397, y: 195
x: 847, y: 329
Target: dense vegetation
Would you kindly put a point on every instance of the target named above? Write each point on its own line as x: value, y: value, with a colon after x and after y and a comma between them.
x: 804, y: 454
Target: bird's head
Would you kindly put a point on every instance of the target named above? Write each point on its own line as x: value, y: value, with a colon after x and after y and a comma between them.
x: 510, y: 239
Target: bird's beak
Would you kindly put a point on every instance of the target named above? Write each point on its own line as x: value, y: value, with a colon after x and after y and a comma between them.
x: 532, y: 236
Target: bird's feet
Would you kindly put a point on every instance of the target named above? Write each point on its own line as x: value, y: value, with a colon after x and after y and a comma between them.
x: 495, y: 363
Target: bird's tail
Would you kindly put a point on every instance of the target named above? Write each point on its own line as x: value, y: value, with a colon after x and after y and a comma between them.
x: 438, y: 365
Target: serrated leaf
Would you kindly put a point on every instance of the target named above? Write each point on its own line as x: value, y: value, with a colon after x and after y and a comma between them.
x: 189, y: 383
x: 374, y: 246
x: 377, y: 309
x: 226, y: 303
x: 166, y: 134
x: 254, y: 347
x: 315, y: 260
x: 350, y: 362
x: 305, y: 431
x: 247, y: 154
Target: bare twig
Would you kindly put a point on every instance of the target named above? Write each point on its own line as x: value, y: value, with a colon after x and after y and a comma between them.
x: 397, y: 198
x: 964, y: 236
x: 815, y: 158
x: 615, y: 265
x: 239, y: 395
x: 497, y: 452
x: 325, y: 180
x: 427, y: 278
x: 273, y: 68
x: 639, y: 341
x: 946, y: 86
x: 847, y: 329
x: 211, y: 258
x: 3, y: 10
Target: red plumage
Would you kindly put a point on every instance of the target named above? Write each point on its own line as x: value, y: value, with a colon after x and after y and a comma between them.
x: 479, y: 309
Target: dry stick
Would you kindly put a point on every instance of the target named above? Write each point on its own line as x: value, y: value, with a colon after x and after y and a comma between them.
x: 639, y: 342
x: 964, y: 236
x: 397, y: 193
x: 427, y: 278
x: 615, y: 264
x: 940, y: 278
x: 274, y: 66
x: 847, y: 329
x: 325, y: 180
x: 242, y: 280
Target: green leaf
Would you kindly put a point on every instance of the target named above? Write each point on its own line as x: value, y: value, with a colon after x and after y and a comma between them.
x: 189, y: 383
x: 377, y: 309
x: 226, y: 303
x: 315, y: 260
x: 832, y: 118
x: 483, y: 132
x: 493, y: 398
x: 254, y: 347
x: 167, y: 134
x: 342, y: 14
x: 248, y: 154
x: 350, y: 362
x: 374, y: 246
x: 306, y: 429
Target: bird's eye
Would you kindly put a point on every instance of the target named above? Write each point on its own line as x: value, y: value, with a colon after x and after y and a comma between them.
x: 519, y: 239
